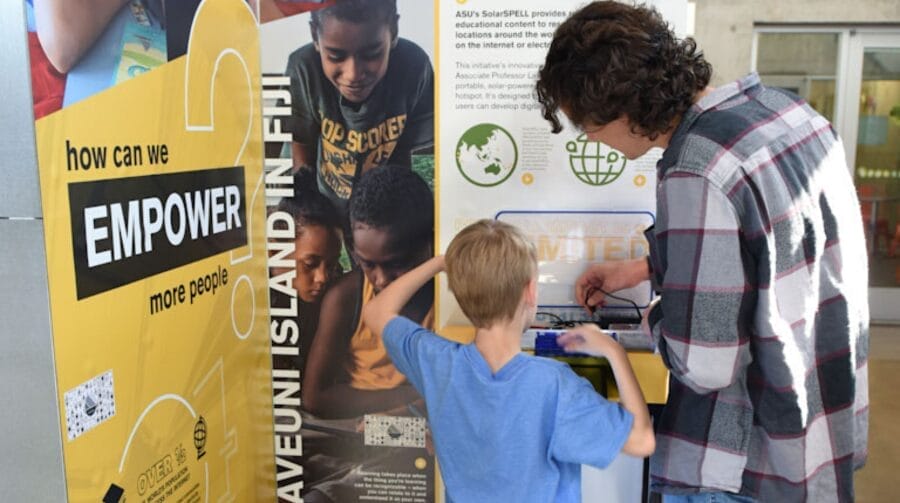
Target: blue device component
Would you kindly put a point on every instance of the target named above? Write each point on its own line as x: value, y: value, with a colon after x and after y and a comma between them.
x: 543, y: 340
x: 545, y: 343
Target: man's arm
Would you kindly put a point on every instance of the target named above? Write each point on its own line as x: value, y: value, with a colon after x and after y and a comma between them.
x: 390, y: 301
x: 703, y: 319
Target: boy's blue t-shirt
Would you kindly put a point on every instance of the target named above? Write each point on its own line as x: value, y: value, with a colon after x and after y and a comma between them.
x: 520, y: 434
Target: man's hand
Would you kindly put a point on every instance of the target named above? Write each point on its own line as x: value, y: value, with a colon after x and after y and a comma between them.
x: 608, y: 277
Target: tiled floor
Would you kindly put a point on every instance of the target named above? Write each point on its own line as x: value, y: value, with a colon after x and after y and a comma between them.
x: 877, y: 481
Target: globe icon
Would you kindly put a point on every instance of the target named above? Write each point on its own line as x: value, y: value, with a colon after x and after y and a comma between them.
x: 200, y: 436
x: 594, y: 163
x: 486, y: 155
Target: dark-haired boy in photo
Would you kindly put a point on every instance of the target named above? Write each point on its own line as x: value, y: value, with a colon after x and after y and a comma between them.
x: 349, y: 373
x: 361, y: 95
x: 391, y: 232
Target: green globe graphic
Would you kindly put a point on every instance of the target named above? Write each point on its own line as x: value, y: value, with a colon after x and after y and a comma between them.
x: 486, y: 155
x: 594, y: 163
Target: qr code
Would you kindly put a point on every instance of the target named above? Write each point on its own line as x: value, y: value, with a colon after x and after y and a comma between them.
x: 395, y: 431
x: 90, y: 404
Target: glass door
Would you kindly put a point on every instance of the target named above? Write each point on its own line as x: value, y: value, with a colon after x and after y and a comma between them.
x: 872, y: 138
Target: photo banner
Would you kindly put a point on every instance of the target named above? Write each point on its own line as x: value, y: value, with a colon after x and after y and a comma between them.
x: 348, y: 109
x: 150, y: 157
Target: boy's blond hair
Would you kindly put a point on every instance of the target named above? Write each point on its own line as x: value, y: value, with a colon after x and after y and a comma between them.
x: 489, y: 264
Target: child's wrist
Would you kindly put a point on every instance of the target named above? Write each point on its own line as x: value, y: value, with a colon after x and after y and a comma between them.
x: 615, y: 351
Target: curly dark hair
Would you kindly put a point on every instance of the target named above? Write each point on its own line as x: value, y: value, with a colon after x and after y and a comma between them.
x: 357, y: 11
x: 611, y: 59
x: 308, y: 206
x: 397, y: 200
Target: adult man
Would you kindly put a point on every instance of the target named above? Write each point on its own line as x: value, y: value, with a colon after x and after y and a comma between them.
x: 758, y: 255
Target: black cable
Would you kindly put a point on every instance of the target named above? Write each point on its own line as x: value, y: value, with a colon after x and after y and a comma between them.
x: 558, y: 322
x: 591, y: 290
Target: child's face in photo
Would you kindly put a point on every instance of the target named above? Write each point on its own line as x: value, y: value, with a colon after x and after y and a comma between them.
x: 354, y: 55
x: 317, y: 250
x: 381, y: 259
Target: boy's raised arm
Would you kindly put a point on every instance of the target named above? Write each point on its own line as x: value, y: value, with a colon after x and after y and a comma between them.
x: 390, y: 301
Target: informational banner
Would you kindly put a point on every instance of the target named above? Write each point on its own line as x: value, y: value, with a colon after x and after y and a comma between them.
x: 150, y: 160
x: 498, y: 157
x: 348, y: 122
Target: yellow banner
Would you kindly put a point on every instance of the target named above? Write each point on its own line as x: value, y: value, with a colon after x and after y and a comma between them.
x: 155, y: 232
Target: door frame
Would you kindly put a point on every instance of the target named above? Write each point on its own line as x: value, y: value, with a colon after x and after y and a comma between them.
x: 884, y: 302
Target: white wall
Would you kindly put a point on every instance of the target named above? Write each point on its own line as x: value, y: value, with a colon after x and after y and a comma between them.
x: 31, y: 464
x: 724, y: 28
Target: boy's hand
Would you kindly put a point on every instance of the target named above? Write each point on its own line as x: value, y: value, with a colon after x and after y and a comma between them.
x: 589, y: 339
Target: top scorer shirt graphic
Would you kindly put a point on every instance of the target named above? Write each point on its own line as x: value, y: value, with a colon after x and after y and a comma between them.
x: 351, y: 138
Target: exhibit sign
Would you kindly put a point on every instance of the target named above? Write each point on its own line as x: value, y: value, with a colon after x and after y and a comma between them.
x: 348, y: 108
x: 150, y: 161
x: 497, y: 156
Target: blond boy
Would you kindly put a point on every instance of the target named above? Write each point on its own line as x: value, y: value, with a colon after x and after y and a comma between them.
x: 506, y: 424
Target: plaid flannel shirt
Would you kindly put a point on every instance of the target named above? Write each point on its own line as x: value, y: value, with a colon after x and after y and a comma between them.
x: 759, y: 256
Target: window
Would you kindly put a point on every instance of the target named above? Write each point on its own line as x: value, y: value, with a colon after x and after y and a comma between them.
x: 803, y: 63
x: 851, y: 75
